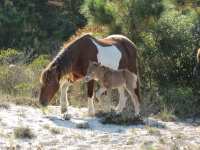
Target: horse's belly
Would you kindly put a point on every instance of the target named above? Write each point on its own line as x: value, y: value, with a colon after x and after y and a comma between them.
x: 109, y: 56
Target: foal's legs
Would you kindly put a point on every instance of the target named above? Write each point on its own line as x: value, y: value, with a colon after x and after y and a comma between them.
x: 109, y: 100
x: 63, y: 97
x: 131, y: 90
x: 122, y: 100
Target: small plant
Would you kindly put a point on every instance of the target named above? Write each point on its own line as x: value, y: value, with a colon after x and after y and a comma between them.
x: 23, y: 132
x: 55, y: 130
x: 162, y: 140
x: 166, y: 115
x: 4, y: 106
x: 153, y: 131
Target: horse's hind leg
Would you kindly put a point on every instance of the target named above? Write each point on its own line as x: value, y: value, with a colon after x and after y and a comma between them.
x: 63, y: 97
x: 107, y: 107
x: 122, y: 100
x: 134, y: 98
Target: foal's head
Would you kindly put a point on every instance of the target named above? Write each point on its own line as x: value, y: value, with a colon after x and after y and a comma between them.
x: 93, y: 71
x: 50, y: 85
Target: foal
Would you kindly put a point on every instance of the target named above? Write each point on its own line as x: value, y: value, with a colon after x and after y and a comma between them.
x: 115, y: 79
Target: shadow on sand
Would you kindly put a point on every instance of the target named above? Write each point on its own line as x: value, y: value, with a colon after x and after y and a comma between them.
x: 99, y: 124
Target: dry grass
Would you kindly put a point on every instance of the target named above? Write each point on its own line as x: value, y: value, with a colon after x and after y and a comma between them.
x: 166, y: 115
x: 18, y: 100
x: 53, y: 130
x: 4, y: 106
x: 23, y: 132
x: 153, y: 131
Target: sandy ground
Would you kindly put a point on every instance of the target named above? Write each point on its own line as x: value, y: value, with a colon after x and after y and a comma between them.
x: 154, y: 135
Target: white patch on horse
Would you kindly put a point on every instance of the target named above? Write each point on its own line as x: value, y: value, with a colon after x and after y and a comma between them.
x: 109, y: 56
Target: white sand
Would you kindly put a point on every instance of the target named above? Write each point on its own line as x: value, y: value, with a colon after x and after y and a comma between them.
x: 180, y: 135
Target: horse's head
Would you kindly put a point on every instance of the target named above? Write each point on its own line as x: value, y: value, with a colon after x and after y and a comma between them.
x: 92, y: 71
x: 50, y: 85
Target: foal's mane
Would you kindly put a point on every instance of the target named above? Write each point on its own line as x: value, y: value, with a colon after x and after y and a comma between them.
x: 63, y: 60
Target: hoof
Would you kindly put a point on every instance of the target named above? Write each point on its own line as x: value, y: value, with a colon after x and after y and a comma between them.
x: 66, y: 116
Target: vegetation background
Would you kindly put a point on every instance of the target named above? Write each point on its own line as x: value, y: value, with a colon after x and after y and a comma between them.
x: 166, y: 32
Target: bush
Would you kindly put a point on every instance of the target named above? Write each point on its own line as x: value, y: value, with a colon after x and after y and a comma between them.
x: 39, y: 63
x: 181, y: 100
x: 23, y: 132
x: 15, y: 80
x: 10, y: 56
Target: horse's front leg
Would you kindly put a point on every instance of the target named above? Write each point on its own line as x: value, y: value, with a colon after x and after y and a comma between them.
x: 91, y: 109
x: 64, y: 97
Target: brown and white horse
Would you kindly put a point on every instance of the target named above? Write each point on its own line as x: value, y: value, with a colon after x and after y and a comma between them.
x: 71, y: 63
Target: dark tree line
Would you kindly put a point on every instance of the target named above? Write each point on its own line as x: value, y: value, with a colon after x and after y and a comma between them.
x: 40, y: 25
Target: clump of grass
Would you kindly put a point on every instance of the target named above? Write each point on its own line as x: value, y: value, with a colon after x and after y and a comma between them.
x: 122, y: 119
x: 162, y: 141
x: 179, y: 136
x: 53, y: 130
x: 45, y: 110
x: 23, y: 132
x: 19, y: 100
x: 153, y: 131
x: 4, y: 106
x: 166, y: 115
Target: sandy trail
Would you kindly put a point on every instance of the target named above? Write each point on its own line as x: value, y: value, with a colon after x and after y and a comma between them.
x: 154, y: 135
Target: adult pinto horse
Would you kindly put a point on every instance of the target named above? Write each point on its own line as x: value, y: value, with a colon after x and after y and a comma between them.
x: 71, y: 63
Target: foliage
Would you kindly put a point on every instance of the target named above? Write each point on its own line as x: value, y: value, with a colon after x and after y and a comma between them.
x: 167, y: 34
x: 38, y: 26
x: 39, y: 63
x: 10, y: 56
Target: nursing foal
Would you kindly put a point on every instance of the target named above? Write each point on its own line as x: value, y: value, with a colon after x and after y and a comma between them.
x: 115, y: 79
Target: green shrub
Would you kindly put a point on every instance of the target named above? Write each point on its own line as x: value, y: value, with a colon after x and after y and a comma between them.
x: 16, y: 80
x: 9, y: 56
x: 179, y: 99
x: 39, y: 63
